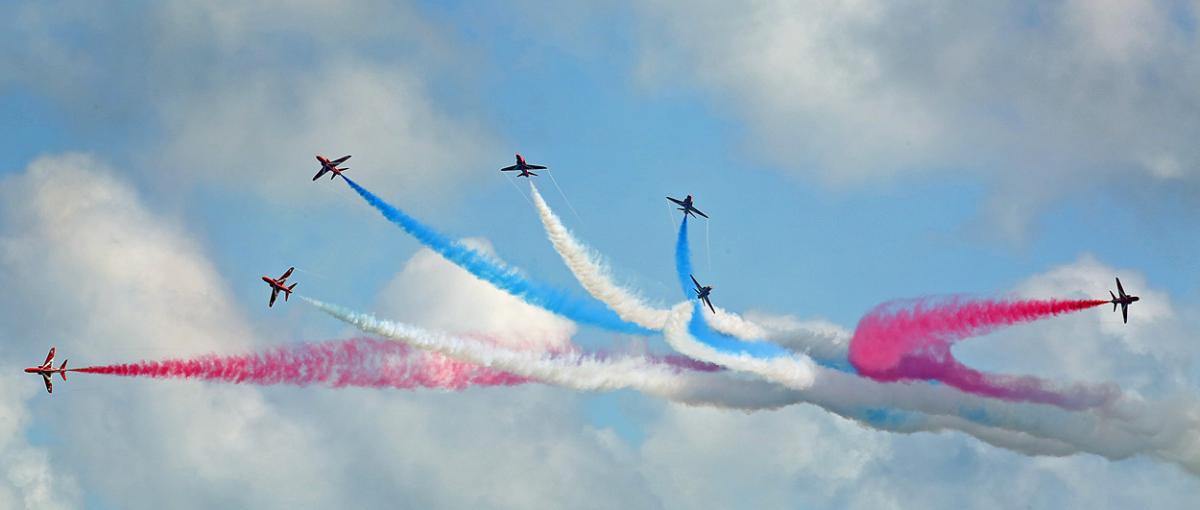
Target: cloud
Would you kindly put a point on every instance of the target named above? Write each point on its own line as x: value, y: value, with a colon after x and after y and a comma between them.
x: 437, y: 294
x: 1150, y: 355
x: 87, y: 266
x: 1038, y: 100
x: 67, y: 223
x: 793, y: 457
x: 243, y: 94
x: 803, y: 457
x: 26, y: 477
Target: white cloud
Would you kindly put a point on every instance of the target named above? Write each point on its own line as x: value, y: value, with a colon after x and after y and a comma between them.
x: 243, y: 94
x: 1150, y: 355
x: 67, y: 224
x: 434, y: 293
x: 87, y: 266
x: 27, y: 479
x: 1038, y: 99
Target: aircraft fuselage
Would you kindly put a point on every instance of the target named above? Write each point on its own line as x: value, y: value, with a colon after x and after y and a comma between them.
x: 274, y: 283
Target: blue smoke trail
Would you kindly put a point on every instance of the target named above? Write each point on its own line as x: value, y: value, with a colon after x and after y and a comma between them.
x: 499, y: 275
x: 700, y: 329
x: 697, y: 327
x: 683, y: 259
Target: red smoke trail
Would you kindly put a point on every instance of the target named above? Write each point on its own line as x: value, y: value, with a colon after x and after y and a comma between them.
x: 361, y: 362
x: 895, y: 343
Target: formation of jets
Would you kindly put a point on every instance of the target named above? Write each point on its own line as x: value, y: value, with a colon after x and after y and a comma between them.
x: 687, y: 205
x: 47, y: 370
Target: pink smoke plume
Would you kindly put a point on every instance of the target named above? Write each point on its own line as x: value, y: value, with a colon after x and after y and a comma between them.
x: 359, y: 362
x: 894, y: 343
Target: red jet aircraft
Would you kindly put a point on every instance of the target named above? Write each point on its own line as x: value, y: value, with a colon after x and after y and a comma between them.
x: 523, y: 167
x: 278, y: 285
x: 330, y: 166
x: 46, y: 370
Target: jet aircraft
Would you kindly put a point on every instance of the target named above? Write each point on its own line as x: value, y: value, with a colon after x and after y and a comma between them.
x: 46, y: 370
x: 702, y: 293
x: 1123, y: 299
x: 330, y: 166
x: 278, y: 285
x: 523, y: 167
x: 687, y: 207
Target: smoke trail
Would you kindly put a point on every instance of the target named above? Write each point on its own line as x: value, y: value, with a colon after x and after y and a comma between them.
x: 895, y: 343
x: 571, y: 369
x: 499, y: 275
x: 359, y: 362
x: 592, y: 274
x: 585, y: 264
x: 762, y: 358
x: 1170, y: 431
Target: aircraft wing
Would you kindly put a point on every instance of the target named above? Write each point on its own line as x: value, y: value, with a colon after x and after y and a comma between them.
x: 320, y: 173
x: 339, y: 161
x: 49, y: 383
x: 680, y: 202
x: 710, y: 306
x: 697, y: 211
x: 49, y: 358
x: 1125, y: 313
x: 286, y: 274
x: 694, y: 281
x: 535, y: 167
x: 274, y: 294
x: 1120, y: 289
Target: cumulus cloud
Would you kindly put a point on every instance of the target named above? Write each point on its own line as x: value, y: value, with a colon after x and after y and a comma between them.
x: 87, y: 266
x: 1151, y: 355
x: 1037, y: 99
x: 437, y: 294
x: 27, y: 479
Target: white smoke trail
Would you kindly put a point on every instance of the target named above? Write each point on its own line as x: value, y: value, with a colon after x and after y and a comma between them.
x: 1130, y: 426
x: 592, y: 274
x: 818, y: 339
x: 572, y: 370
x: 792, y: 371
x: 1167, y: 432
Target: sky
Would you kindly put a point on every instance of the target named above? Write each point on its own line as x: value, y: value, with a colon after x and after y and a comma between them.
x: 158, y: 159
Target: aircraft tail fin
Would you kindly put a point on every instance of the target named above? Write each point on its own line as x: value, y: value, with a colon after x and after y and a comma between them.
x: 289, y: 291
x: 63, y: 367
